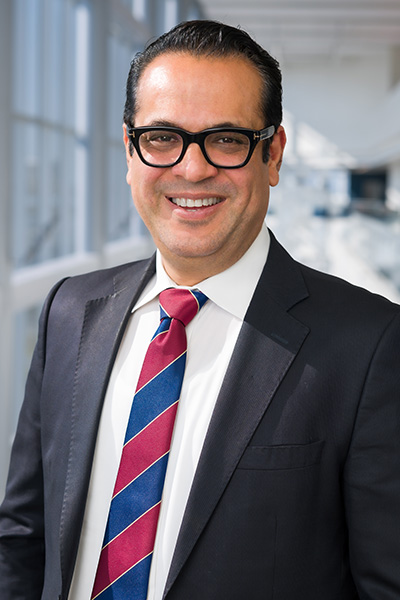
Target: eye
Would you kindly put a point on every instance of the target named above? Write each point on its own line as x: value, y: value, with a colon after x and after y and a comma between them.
x: 229, y: 139
x: 227, y: 142
x: 162, y: 138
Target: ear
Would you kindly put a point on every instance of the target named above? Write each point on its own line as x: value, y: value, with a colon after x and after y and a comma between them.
x: 275, y: 155
x: 127, y: 154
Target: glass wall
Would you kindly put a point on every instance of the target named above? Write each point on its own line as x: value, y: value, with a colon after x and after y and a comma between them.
x: 122, y: 219
x: 50, y: 129
x: 65, y: 206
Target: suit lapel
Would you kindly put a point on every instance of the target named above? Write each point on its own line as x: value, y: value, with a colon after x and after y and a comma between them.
x: 104, y: 324
x: 267, y: 345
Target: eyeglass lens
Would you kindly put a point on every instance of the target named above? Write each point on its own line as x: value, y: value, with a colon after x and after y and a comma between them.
x: 224, y: 148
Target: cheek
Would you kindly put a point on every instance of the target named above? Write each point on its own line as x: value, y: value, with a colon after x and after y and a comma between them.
x: 149, y: 201
x: 251, y: 185
x: 143, y: 182
x: 259, y: 180
x: 255, y: 192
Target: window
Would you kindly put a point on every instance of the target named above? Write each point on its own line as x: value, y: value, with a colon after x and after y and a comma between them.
x: 122, y: 219
x: 50, y: 129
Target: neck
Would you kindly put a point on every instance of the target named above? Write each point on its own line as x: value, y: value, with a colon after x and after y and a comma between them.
x: 189, y: 271
x: 186, y: 274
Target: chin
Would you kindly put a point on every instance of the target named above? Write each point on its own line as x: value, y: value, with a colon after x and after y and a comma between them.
x: 187, y: 246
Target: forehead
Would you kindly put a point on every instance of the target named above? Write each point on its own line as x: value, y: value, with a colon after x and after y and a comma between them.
x: 199, y: 91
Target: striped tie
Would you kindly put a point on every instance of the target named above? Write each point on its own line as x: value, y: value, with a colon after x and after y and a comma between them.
x: 125, y: 559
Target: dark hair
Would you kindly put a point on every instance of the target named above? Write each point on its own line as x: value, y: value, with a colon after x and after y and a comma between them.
x: 210, y: 38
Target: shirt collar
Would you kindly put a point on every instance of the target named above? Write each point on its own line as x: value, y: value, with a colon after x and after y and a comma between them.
x: 232, y: 289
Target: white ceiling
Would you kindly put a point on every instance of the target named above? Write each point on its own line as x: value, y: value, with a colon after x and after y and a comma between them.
x: 303, y: 29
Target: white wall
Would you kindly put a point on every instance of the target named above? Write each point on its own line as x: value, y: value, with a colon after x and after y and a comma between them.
x: 350, y: 102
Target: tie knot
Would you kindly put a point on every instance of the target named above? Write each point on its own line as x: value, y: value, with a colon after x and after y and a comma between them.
x: 181, y: 304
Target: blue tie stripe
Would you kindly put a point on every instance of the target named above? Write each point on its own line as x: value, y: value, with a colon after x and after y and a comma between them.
x: 152, y: 399
x: 136, y: 499
x: 200, y: 297
x: 164, y: 325
x: 135, y: 580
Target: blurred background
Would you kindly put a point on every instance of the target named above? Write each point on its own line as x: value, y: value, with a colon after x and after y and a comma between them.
x: 65, y: 207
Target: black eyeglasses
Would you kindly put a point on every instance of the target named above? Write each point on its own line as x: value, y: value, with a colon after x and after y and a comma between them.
x: 222, y: 147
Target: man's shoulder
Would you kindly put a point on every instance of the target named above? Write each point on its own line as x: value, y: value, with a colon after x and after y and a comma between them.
x: 73, y: 293
x: 103, y: 282
x: 322, y: 298
x: 332, y: 288
x: 341, y: 310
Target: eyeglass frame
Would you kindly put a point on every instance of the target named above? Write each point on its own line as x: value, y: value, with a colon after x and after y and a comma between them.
x: 254, y: 136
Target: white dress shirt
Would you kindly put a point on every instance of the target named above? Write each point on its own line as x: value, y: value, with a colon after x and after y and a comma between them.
x: 211, y: 338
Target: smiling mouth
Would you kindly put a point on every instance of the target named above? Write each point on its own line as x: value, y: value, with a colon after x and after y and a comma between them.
x: 197, y: 203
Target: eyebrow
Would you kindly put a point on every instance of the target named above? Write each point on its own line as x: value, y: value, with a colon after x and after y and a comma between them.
x: 162, y: 123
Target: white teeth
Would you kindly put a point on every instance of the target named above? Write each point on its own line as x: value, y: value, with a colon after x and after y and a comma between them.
x: 198, y: 203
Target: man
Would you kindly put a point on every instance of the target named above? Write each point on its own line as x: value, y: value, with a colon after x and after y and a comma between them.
x: 283, y: 478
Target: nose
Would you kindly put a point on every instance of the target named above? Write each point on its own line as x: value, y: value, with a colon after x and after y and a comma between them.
x: 194, y: 166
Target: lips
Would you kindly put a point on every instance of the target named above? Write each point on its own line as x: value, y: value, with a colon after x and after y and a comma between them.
x: 195, y: 203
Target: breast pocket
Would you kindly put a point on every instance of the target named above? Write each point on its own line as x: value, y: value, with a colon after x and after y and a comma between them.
x: 297, y: 456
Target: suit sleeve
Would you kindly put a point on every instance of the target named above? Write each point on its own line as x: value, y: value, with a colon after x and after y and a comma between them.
x: 22, y: 512
x: 372, y: 476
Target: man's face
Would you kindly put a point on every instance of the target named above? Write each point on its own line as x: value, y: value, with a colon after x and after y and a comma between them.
x: 196, y: 93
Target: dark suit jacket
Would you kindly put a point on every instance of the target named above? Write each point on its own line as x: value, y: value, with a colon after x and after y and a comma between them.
x: 297, y: 493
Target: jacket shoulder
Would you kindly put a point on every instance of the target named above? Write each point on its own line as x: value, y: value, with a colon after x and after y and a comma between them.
x: 336, y: 291
x: 104, y: 282
x: 67, y: 300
